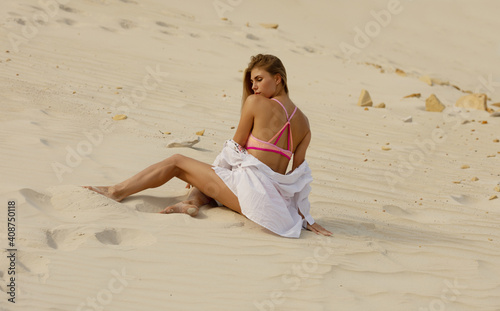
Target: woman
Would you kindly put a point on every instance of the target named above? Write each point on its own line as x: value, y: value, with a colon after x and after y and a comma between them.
x: 248, y: 176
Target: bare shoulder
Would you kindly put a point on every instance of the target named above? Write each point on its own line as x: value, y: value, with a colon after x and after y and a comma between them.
x: 303, y: 121
x: 255, y: 101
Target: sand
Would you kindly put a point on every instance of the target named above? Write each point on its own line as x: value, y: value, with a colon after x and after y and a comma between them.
x: 407, y: 193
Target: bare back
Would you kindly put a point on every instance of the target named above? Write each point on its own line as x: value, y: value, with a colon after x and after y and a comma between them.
x: 268, y: 118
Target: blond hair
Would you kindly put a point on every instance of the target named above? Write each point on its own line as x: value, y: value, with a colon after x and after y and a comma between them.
x: 269, y: 63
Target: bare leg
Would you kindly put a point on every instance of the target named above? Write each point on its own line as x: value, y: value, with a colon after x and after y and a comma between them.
x: 198, y: 174
x: 191, y: 205
x: 105, y: 191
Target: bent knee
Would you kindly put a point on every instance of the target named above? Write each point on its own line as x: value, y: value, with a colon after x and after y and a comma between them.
x: 175, y: 159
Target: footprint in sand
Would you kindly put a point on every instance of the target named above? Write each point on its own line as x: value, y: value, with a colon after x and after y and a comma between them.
x: 67, y: 9
x: 70, y: 237
x: 127, y: 24
x: 125, y: 237
x: 66, y: 21
x: 33, y: 264
x: 464, y: 199
x: 73, y: 204
x: 163, y: 24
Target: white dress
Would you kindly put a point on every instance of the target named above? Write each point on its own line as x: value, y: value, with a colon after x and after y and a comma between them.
x: 266, y: 197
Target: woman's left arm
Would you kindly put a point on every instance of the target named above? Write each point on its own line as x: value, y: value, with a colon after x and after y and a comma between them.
x: 246, y: 121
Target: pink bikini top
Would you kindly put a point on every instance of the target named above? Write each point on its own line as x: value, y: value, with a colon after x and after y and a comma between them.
x: 257, y: 144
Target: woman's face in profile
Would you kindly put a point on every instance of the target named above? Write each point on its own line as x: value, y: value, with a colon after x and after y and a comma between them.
x: 262, y: 82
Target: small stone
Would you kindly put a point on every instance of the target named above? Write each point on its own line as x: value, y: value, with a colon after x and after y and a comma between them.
x: 183, y: 143
x: 496, y: 140
x: 408, y: 119
x: 119, y: 117
x: 167, y: 133
x: 232, y: 127
x: 269, y: 26
x: 497, y: 188
x: 472, y: 101
x: 484, y: 122
x: 223, y: 18
x: 493, y: 197
x: 474, y: 179
x: 426, y: 79
x: 200, y: 133
x: 385, y: 148
x: 433, y: 104
x: 495, y: 114
x: 439, y: 81
x: 465, y: 166
x: 381, y: 105
x: 400, y: 72
x: 364, y: 99
x: 417, y: 95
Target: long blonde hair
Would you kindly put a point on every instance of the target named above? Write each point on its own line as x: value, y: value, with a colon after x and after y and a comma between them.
x: 269, y: 63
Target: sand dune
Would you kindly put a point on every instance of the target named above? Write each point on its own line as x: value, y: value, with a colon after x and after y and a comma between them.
x: 411, y: 203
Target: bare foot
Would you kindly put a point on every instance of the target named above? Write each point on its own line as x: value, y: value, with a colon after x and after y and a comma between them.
x: 186, y: 207
x: 105, y: 191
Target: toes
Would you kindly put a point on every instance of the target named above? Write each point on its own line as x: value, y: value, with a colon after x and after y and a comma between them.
x: 190, y: 210
x: 168, y: 210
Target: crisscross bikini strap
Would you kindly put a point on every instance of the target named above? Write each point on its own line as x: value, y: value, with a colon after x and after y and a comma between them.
x: 293, y: 113
x: 277, y: 136
x: 282, y: 107
x: 289, y: 145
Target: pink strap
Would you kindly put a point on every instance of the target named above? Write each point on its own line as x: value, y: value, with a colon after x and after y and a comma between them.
x: 280, y: 133
x: 282, y: 107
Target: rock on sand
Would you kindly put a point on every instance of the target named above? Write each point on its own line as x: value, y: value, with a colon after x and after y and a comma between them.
x: 433, y: 104
x: 472, y: 101
x: 364, y: 99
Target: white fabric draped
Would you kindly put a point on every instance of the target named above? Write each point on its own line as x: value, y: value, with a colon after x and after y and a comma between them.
x: 270, y: 199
